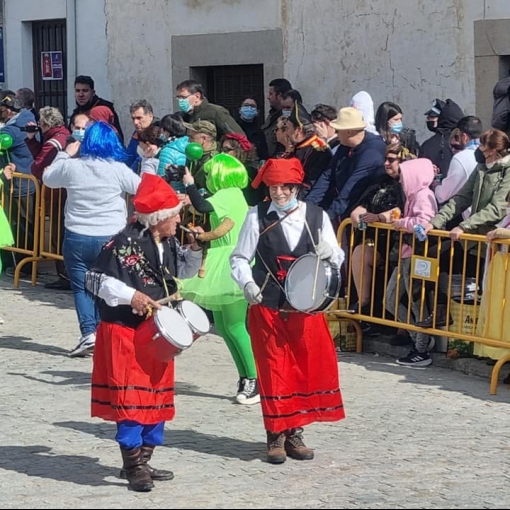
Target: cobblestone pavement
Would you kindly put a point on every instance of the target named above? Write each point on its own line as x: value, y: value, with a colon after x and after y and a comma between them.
x: 429, y: 438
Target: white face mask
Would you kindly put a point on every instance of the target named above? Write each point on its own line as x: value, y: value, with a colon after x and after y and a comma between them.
x: 140, y: 151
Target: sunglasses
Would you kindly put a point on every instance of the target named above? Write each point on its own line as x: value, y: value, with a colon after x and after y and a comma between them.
x: 391, y: 160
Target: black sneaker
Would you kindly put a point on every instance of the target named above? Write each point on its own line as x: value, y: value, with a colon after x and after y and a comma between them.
x: 250, y: 393
x: 415, y: 359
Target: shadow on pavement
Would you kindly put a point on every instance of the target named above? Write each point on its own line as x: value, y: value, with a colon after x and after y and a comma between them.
x: 23, y: 343
x: 68, y: 377
x: 188, y: 389
x: 182, y: 440
x: 440, y: 377
x: 215, y: 445
x: 39, y: 461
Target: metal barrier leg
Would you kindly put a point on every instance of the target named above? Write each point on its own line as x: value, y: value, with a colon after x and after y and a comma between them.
x: 495, y: 373
x: 20, y: 264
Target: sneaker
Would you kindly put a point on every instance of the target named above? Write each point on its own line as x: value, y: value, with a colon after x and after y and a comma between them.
x: 240, y: 388
x: 415, y: 359
x: 84, y: 347
x: 250, y: 393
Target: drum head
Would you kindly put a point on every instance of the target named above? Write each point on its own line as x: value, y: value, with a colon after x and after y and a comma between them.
x: 299, y: 283
x: 173, y: 327
x: 195, y: 317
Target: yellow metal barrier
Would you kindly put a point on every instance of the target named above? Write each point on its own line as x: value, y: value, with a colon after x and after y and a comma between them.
x: 52, y: 223
x: 470, y: 252
x: 20, y: 199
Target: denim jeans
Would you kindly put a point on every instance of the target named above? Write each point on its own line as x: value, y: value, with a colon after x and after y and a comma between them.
x: 79, y: 253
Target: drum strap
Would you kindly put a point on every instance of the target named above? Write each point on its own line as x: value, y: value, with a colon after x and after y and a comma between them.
x: 269, y: 274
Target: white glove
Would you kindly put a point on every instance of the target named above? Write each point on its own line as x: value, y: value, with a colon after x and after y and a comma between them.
x: 252, y: 293
x: 324, y: 250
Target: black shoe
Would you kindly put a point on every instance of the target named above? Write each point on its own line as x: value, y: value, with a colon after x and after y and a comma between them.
x: 60, y: 284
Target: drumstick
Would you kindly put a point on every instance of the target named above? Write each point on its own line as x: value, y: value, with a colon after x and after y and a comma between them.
x: 316, y: 267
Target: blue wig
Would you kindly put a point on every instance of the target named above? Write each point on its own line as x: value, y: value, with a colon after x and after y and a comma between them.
x: 102, y: 142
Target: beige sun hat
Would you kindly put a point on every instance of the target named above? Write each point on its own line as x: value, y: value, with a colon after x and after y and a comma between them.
x: 348, y: 118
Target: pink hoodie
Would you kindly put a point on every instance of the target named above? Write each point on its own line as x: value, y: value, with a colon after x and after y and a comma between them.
x: 416, y: 176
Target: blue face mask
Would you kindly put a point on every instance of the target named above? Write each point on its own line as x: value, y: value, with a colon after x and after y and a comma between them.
x: 396, y: 127
x: 78, y: 134
x: 163, y: 138
x: 248, y: 112
x: 184, y: 105
x: 293, y: 203
x: 286, y: 113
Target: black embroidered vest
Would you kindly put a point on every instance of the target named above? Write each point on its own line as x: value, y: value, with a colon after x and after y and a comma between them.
x: 274, y: 250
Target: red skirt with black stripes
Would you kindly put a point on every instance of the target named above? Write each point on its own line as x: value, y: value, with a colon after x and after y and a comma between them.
x: 127, y: 382
x: 297, y: 368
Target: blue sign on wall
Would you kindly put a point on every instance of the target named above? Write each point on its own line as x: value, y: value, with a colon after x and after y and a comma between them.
x: 2, y: 69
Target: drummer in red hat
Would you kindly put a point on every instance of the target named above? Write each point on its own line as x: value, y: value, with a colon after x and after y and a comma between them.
x: 294, y: 352
x: 133, y: 271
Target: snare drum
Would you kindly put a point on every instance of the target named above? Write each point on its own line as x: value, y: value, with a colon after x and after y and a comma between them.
x: 194, y: 316
x: 166, y: 334
x: 312, y: 284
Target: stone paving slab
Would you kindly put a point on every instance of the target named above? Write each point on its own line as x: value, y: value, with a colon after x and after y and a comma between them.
x: 422, y: 438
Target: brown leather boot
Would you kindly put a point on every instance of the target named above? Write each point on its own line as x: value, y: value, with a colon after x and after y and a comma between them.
x: 137, y: 471
x: 295, y: 447
x: 275, y: 447
x: 156, y: 474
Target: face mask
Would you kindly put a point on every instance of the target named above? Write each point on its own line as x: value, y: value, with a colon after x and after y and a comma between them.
x: 140, y: 151
x: 431, y: 126
x: 248, y: 112
x: 479, y: 156
x: 184, y: 105
x: 286, y: 113
x: 293, y: 203
x: 78, y: 134
x: 163, y: 138
x: 396, y: 127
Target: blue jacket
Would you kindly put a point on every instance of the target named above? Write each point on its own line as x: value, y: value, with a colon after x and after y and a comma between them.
x: 172, y: 153
x: 133, y: 160
x: 350, y: 173
x: 19, y: 153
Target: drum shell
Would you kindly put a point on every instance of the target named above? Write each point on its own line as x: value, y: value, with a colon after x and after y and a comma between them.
x: 161, y: 345
x: 194, y: 316
x: 325, y: 296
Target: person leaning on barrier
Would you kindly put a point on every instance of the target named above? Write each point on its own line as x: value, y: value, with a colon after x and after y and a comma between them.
x: 294, y: 352
x: 134, y: 270
x: 376, y: 205
x: 485, y: 191
x: 420, y: 206
x: 54, y: 136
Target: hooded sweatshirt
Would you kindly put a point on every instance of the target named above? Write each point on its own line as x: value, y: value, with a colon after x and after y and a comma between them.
x: 362, y: 101
x: 416, y: 176
x: 437, y: 147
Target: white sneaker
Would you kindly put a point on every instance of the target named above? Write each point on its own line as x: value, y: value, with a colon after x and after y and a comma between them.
x: 84, y: 347
x: 250, y: 393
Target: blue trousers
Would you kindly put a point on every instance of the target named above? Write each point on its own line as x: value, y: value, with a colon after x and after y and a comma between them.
x: 131, y: 434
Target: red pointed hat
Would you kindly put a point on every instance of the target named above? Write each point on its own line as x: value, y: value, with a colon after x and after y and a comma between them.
x: 280, y: 171
x: 155, y: 194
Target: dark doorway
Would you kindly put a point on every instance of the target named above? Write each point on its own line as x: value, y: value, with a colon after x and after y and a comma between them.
x: 50, y: 73
x: 229, y: 85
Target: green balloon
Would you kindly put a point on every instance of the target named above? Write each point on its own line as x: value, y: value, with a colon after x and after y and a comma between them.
x: 194, y: 151
x: 5, y: 141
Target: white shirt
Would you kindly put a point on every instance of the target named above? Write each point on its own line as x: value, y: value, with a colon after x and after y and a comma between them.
x: 116, y: 293
x: 292, y: 227
x: 461, y: 166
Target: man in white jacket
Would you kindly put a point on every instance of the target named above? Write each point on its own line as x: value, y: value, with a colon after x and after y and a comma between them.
x: 462, y: 163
